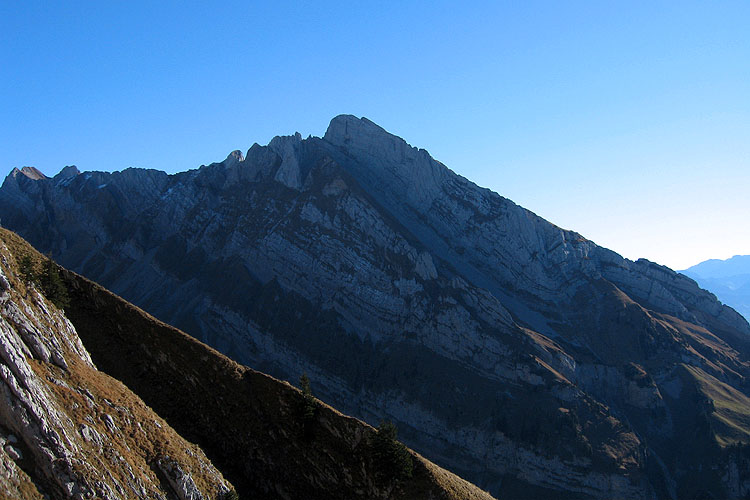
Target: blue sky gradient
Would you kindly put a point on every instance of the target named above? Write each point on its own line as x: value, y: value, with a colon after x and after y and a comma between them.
x: 626, y: 121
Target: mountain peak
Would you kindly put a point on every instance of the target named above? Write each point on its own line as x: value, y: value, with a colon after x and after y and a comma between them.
x: 287, y: 147
x: 411, y: 293
x: 366, y: 136
x: 343, y: 129
x: 387, y: 161
x: 718, y: 268
x: 31, y: 172
x: 235, y: 156
x: 67, y: 172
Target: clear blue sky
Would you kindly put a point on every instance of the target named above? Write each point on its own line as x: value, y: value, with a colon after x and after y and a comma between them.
x: 628, y: 122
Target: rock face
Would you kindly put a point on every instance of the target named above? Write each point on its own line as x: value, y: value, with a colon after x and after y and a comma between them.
x: 67, y: 430
x: 252, y: 426
x: 519, y: 354
x: 70, y: 431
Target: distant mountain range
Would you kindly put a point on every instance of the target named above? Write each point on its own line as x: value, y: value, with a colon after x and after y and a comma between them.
x: 520, y: 355
x: 728, y: 279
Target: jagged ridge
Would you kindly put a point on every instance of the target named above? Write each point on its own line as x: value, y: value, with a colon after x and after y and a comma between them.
x: 511, y: 350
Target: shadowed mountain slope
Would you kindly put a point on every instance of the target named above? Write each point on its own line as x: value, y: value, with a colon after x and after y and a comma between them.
x: 251, y: 425
x: 519, y: 354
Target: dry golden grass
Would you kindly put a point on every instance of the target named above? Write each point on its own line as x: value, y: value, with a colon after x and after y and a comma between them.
x: 89, y: 397
x: 247, y: 422
x: 731, y: 408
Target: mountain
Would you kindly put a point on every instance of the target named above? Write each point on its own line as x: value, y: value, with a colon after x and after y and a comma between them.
x: 522, y: 356
x: 68, y: 430
x: 73, y: 421
x: 728, y: 279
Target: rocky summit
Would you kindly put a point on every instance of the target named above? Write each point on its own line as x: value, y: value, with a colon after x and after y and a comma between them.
x: 521, y: 355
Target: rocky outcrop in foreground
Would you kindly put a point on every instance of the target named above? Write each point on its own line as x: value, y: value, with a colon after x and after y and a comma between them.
x: 69, y: 430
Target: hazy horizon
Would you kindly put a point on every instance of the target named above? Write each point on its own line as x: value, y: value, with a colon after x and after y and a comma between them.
x: 627, y: 123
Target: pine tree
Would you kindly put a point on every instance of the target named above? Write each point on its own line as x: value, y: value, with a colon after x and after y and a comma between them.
x: 308, y: 400
x: 52, y: 285
x: 26, y: 267
x: 391, y: 456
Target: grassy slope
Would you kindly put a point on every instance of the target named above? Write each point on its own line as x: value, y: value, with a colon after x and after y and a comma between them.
x: 730, y: 415
x: 248, y: 423
x: 89, y: 397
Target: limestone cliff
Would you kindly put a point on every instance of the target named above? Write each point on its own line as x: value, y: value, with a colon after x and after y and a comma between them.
x: 519, y: 354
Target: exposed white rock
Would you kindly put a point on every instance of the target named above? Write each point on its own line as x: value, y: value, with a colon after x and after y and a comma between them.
x: 39, y: 350
x: 91, y: 435
x: 234, y: 157
x: 182, y: 482
x: 425, y: 267
x: 289, y: 172
x: 14, y: 482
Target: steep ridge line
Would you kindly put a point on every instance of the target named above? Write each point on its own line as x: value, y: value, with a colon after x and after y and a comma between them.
x: 519, y: 354
x: 246, y: 421
x: 68, y: 430
x: 251, y: 422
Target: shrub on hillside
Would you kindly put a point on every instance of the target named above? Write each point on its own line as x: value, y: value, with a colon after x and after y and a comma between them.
x: 391, y: 456
x: 26, y: 268
x: 52, y: 284
x: 309, y: 406
x: 47, y: 279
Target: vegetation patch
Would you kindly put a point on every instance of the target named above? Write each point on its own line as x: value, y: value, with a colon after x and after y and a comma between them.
x: 728, y: 408
x: 391, y: 456
x: 44, y: 273
x: 309, y: 407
